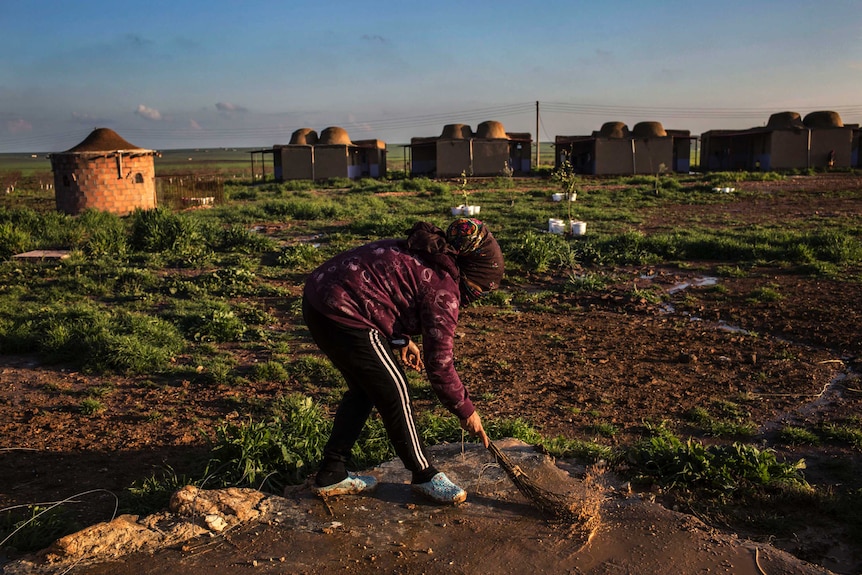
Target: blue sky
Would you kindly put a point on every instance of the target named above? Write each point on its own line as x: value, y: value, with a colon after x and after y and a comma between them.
x: 233, y: 74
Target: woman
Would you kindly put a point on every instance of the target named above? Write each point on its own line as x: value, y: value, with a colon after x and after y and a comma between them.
x: 363, y: 305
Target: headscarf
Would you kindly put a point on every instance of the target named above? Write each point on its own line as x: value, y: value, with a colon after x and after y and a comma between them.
x: 469, y: 244
x: 479, y: 256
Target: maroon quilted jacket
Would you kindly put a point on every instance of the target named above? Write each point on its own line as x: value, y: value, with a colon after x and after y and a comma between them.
x: 384, y: 287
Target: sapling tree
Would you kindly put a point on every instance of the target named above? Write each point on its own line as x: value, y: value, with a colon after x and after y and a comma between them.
x: 568, y: 180
x: 462, y: 185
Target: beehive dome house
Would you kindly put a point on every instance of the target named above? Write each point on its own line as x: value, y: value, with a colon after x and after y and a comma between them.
x: 104, y: 172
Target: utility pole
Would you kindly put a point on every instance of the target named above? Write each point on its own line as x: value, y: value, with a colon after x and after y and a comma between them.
x: 538, y: 153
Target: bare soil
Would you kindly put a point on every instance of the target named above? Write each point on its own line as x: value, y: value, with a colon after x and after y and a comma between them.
x: 615, y: 358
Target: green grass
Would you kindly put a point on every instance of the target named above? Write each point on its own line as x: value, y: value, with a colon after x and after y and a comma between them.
x: 603, y: 429
x: 792, y: 435
x: 722, y: 469
x: 315, y: 371
x: 850, y: 433
x: 726, y: 419
x: 95, y: 337
x: 34, y: 527
x: 91, y: 406
x: 195, y: 293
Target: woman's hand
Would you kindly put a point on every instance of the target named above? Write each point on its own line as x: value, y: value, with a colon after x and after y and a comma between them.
x: 411, y: 357
x: 473, y: 426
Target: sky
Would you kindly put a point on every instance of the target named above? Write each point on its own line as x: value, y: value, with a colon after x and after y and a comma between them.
x: 229, y: 73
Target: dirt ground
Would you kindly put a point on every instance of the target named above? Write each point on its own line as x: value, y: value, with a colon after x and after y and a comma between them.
x: 616, y: 358
x: 495, y: 531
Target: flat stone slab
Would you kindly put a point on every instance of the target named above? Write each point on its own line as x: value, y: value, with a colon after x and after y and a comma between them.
x: 43, y: 255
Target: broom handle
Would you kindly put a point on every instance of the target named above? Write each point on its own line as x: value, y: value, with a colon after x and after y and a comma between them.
x: 505, y: 462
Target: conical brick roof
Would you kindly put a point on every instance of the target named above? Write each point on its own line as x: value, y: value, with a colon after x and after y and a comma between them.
x: 103, y: 140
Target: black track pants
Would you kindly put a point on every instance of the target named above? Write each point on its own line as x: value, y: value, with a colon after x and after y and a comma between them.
x: 374, y: 379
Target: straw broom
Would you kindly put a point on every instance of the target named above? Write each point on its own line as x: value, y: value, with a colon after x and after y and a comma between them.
x: 548, y: 502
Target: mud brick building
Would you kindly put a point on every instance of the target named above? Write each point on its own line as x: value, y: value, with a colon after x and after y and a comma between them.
x: 331, y: 155
x: 104, y: 172
x: 787, y: 142
x: 490, y: 151
x: 616, y: 150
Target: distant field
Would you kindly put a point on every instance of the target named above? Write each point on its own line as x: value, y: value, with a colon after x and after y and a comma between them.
x: 24, y: 163
x: 230, y: 162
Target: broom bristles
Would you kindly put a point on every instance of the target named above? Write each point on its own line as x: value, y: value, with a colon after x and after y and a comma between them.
x: 548, y: 502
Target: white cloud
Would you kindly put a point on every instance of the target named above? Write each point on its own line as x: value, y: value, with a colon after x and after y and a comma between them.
x: 194, y: 125
x: 229, y: 107
x: 148, y: 113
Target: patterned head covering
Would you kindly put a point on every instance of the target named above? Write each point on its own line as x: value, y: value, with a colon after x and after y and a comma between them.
x: 478, y: 256
x: 466, y: 248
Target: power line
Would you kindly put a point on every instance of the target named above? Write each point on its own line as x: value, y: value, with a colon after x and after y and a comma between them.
x: 275, y: 132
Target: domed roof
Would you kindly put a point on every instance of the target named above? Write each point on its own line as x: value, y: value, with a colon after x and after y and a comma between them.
x: 456, y: 132
x: 304, y: 137
x: 334, y: 136
x: 102, y: 140
x: 785, y: 120
x: 648, y: 130
x: 823, y: 119
x: 491, y: 130
x: 614, y: 130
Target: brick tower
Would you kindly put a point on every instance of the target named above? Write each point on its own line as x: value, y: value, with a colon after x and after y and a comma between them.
x: 106, y: 173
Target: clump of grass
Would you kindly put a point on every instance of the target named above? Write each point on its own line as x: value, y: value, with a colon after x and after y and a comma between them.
x: 207, y: 321
x: 316, y: 371
x: 385, y: 225
x: 135, y: 282
x: 34, y: 527
x: 792, y: 435
x: 13, y: 239
x: 603, y: 428
x: 91, y: 406
x: 836, y: 246
x: 269, y: 371
x: 723, y: 469
x: 517, y: 428
x: 541, y: 252
x: 228, y: 282
x: 629, y: 247
x: 847, y: 432
x: 731, y: 421
x: 311, y: 209
x: 104, y: 234
x: 153, y: 493
x: 587, y: 282
x: 765, y: 294
x: 496, y: 298
x: 218, y: 368
x: 96, y: 338
x: 239, y: 238
x: 299, y: 257
x: 178, y: 236
x: 731, y: 271
x: 282, y: 449
x: 101, y: 390
x: 435, y: 428
x: 588, y: 451
x: 651, y: 294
